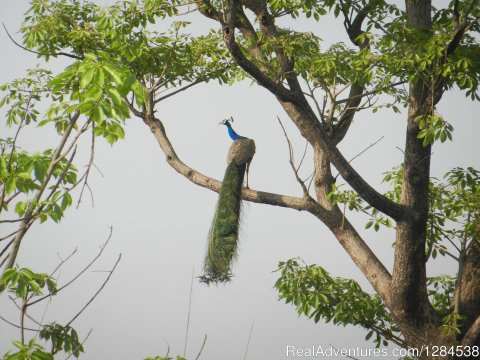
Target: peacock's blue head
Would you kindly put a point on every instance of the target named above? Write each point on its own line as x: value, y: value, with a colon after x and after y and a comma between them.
x: 233, y: 135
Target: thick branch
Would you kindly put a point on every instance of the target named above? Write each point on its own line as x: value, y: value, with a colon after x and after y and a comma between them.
x: 276, y: 88
x: 348, y: 237
x: 358, y: 183
x: 411, y: 309
x: 198, y: 178
x: 472, y: 337
x: 269, y: 30
x: 354, y: 99
x: 468, y: 289
x: 229, y: 38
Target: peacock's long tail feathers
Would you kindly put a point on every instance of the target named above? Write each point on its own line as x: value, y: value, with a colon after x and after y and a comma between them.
x: 223, y: 236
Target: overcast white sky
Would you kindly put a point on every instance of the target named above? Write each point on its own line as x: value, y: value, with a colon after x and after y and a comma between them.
x: 160, y: 224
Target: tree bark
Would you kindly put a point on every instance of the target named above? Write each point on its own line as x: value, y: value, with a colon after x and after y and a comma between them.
x: 469, y: 304
x: 411, y: 308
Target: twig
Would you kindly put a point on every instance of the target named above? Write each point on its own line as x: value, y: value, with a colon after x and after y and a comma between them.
x: 201, y: 349
x: 17, y: 326
x: 303, y: 156
x: 248, y: 341
x: 361, y: 152
x: 23, y: 310
x: 461, y: 261
x: 373, y: 92
x: 11, y: 234
x: 291, y: 160
x: 311, y: 177
x: 317, y: 105
x: 6, y: 248
x: 62, y: 261
x: 79, y: 345
x: 96, y: 294
x: 168, y: 349
x: 156, y: 101
x: 368, y: 147
x: 81, y: 272
x: 11, y: 221
x: 90, y: 163
x: 188, y: 316
x: 26, y: 314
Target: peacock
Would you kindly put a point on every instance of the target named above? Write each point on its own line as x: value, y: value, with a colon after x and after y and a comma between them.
x: 223, y: 235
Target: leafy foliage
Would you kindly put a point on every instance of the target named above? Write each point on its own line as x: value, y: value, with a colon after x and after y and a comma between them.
x: 27, y: 285
x: 23, y: 283
x: 316, y: 294
x: 29, y: 351
x: 62, y: 338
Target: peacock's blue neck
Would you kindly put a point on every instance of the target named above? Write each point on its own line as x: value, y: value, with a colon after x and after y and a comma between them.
x: 233, y: 135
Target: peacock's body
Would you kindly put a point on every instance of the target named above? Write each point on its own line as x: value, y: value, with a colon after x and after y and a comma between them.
x: 223, y: 236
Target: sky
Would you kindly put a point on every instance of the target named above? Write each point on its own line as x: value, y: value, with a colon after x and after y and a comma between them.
x: 160, y: 224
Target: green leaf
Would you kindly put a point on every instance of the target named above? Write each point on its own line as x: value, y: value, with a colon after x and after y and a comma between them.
x: 40, y: 169
x: 97, y: 115
x: 114, y: 73
x: 99, y: 77
x: 115, y: 96
x: 87, y: 77
x: 10, y: 185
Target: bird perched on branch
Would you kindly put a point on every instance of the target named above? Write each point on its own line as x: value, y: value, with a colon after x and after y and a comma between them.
x: 223, y: 236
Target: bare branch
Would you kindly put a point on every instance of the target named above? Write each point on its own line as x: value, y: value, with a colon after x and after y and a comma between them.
x: 89, y: 165
x: 12, y: 233
x: 368, y: 147
x: 17, y: 326
x: 183, y: 88
x: 11, y: 221
x: 188, y: 316
x: 317, y: 105
x: 63, y: 261
x: 6, y: 248
x: 248, y: 341
x: 291, y: 160
x: 201, y: 349
x: 368, y: 93
x: 98, y: 292
x: 303, y: 156
x: 102, y: 247
x: 23, y: 308
x: 79, y: 345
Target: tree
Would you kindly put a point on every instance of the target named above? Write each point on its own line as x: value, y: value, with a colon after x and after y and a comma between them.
x: 397, y: 57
